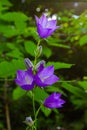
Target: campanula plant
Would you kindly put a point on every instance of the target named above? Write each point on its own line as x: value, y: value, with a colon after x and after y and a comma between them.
x: 37, y: 75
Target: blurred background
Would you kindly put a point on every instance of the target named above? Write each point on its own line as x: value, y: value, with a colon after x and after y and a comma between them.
x: 66, y: 49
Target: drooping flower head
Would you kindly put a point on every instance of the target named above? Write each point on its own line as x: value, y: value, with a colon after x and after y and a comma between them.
x: 25, y: 79
x: 54, y: 101
x: 45, y: 27
x: 45, y: 76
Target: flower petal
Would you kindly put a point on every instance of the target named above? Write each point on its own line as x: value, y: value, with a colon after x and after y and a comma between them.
x: 45, y: 77
x: 48, y: 71
x: 25, y: 79
x: 51, y: 23
x: 37, y: 19
x: 27, y: 87
x: 51, y: 80
x: 39, y: 82
x: 43, y: 20
x: 43, y: 32
x: 54, y: 101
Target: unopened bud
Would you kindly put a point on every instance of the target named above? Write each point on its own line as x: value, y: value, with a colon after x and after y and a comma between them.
x: 29, y: 121
x: 28, y: 63
x: 38, y: 51
x: 40, y: 65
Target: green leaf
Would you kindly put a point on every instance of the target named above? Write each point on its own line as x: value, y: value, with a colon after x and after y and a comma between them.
x: 18, y: 93
x: 46, y: 111
x: 15, y: 54
x: 21, y: 26
x: 30, y: 47
x: 56, y: 42
x: 83, y: 40
x: 8, y: 31
x: 54, y: 89
x: 83, y: 84
x: 74, y: 90
x: 78, y: 102
x: 47, y: 52
x: 14, y: 16
x: 11, y: 46
x: 40, y: 94
x: 9, y: 68
x: 31, y: 31
x: 60, y: 65
x: 5, y: 3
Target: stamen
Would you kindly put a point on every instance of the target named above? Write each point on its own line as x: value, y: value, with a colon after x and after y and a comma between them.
x: 27, y: 80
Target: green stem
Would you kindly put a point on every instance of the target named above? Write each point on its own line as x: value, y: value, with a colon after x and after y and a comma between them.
x: 35, y: 61
x: 33, y: 104
x: 37, y: 112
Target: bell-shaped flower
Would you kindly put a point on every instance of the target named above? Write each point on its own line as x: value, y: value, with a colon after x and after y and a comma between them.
x: 45, y: 76
x: 25, y: 79
x: 45, y: 27
x: 54, y: 101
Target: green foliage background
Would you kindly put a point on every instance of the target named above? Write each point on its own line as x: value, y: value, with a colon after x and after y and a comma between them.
x: 66, y: 49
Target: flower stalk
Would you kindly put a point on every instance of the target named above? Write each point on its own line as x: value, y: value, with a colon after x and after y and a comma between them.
x: 39, y: 75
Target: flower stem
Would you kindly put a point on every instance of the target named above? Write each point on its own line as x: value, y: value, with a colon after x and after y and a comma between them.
x: 35, y: 60
x: 33, y: 103
x: 37, y: 112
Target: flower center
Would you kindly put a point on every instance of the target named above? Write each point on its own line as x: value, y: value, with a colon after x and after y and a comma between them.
x: 43, y: 78
x: 27, y: 80
x: 48, y: 25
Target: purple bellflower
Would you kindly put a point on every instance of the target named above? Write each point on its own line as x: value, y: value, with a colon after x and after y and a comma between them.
x: 25, y: 79
x: 54, y: 101
x: 45, y: 76
x: 45, y: 27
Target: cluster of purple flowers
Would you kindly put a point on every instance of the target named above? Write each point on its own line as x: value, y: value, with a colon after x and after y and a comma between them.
x: 44, y: 76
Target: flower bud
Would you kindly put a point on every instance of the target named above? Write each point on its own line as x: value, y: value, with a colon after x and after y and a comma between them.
x: 29, y: 121
x: 40, y: 50
x: 28, y: 63
x: 39, y: 64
